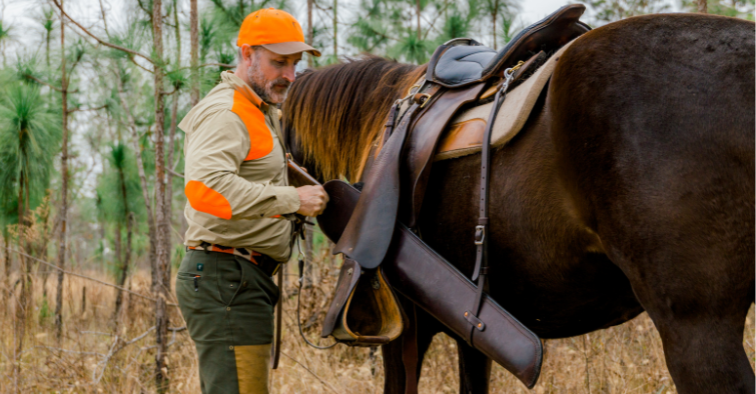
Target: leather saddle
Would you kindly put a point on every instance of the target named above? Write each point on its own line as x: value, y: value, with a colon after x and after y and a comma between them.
x: 463, y: 61
x: 368, y: 234
x: 457, y: 76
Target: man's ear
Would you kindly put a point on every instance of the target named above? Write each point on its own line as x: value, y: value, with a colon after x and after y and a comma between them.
x: 247, y: 52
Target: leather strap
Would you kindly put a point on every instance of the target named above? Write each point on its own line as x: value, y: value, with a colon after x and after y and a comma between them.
x: 410, y: 352
x: 481, y: 230
x: 275, y: 350
x: 391, y: 121
x: 299, y: 307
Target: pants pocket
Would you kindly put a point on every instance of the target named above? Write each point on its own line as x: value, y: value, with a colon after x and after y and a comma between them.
x: 256, y: 285
x: 229, y: 280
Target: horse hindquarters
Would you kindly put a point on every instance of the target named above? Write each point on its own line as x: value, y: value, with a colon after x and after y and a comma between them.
x: 654, y: 125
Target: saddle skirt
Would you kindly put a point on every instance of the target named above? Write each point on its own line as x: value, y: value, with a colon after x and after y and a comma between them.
x: 464, y: 136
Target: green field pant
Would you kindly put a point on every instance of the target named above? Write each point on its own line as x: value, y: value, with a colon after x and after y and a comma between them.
x: 227, y: 303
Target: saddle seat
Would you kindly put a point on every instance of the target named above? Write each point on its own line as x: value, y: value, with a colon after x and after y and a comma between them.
x: 462, y: 61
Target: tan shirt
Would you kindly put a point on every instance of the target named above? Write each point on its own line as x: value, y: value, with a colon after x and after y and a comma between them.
x: 235, y: 174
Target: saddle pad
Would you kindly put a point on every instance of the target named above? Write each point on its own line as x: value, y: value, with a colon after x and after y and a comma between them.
x: 464, y: 136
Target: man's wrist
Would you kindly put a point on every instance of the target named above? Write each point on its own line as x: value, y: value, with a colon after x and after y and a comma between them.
x: 288, y: 199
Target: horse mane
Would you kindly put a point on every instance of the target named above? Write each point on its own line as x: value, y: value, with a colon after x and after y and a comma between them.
x: 339, y: 111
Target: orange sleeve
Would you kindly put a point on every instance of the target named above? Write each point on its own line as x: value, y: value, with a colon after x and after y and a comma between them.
x: 213, y: 185
x: 207, y: 200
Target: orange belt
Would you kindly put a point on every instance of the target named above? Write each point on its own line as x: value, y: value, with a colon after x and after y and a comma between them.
x: 267, y: 264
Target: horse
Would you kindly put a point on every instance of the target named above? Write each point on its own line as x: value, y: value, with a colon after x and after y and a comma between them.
x: 629, y: 189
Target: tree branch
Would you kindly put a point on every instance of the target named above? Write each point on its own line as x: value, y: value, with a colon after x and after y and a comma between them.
x: 174, y: 173
x: 210, y: 65
x: 326, y: 384
x: 231, y: 16
x: 57, y: 89
x: 87, y: 277
x: 107, y: 44
x: 87, y: 109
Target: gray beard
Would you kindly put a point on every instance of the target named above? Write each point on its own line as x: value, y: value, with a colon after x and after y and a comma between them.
x: 260, y: 90
x: 253, y: 74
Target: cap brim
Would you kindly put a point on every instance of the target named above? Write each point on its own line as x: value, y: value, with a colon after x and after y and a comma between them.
x: 290, y: 48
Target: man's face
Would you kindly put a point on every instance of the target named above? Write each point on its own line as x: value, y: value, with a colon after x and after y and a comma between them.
x: 270, y: 74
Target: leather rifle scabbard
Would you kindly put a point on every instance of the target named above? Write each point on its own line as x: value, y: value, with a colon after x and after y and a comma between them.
x: 432, y: 283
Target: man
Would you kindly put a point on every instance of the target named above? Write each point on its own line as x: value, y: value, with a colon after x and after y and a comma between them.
x: 237, y: 191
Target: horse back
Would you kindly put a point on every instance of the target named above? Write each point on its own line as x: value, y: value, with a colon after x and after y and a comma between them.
x: 653, y: 123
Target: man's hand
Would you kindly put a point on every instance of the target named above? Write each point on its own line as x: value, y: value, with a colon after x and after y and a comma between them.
x: 312, y: 200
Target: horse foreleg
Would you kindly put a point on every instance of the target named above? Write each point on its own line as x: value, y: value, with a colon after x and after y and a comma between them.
x: 474, y: 369
x: 394, y: 353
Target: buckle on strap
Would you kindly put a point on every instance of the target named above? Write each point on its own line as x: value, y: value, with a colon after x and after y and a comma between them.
x: 480, y: 234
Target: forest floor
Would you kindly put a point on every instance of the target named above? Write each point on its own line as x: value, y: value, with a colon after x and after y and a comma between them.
x: 93, y: 356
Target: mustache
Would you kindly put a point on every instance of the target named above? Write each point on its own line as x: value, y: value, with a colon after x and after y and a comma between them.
x: 280, y: 82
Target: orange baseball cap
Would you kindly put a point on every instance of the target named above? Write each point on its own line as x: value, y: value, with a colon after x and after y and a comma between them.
x: 274, y: 30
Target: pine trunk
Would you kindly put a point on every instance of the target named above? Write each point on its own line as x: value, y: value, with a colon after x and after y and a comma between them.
x: 117, y: 243
x: 703, y: 6
x: 417, y: 11
x: 64, y: 185
x: 161, y: 284
x: 310, y: 57
x: 8, y: 262
x: 493, y: 19
x: 194, y: 37
x: 168, y: 203
x: 335, y: 30
x: 151, y: 226
x: 127, y: 256
x: 124, y: 268
x: 21, y: 305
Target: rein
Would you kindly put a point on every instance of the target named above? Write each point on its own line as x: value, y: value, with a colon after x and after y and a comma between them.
x: 299, y: 303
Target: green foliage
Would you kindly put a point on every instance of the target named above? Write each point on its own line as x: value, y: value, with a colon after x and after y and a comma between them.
x: 605, y: 11
x: 48, y: 19
x: 120, y: 177
x: 412, y: 48
x: 6, y: 31
x: 179, y: 251
x: 508, y: 28
x: 227, y: 16
x: 31, y: 138
x: 732, y: 8
x: 207, y: 33
x: 44, y: 311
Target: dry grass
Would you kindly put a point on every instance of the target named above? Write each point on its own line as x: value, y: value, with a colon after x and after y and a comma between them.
x: 624, y: 359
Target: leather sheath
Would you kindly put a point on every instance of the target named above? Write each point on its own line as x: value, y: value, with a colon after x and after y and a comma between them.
x: 432, y: 283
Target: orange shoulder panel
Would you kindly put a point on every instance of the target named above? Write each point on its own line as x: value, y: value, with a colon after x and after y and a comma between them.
x: 207, y: 200
x: 261, y: 141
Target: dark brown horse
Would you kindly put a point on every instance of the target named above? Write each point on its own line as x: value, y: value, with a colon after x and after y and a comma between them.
x: 631, y: 188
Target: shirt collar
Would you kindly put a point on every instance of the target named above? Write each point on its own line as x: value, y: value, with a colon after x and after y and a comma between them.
x: 240, y: 86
